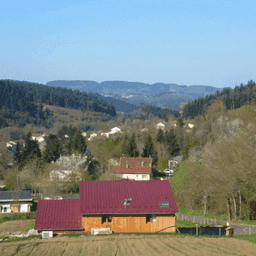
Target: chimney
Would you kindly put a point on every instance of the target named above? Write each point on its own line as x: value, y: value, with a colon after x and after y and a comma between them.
x: 126, y: 164
x: 142, y: 163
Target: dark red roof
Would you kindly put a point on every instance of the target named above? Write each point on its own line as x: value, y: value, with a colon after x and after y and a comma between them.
x: 58, y: 214
x: 108, y: 196
x: 121, y: 169
x: 136, y: 161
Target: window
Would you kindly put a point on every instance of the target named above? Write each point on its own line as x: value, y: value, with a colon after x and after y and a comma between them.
x: 104, y: 218
x: 148, y: 218
x: 164, y: 204
x: 109, y: 218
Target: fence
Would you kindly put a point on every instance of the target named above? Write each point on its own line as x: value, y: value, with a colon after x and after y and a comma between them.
x: 238, y: 229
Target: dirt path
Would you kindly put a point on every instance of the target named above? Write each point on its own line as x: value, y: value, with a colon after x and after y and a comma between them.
x: 130, y: 245
x: 15, y: 226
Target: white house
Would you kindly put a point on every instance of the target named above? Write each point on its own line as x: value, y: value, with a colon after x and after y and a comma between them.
x: 160, y: 126
x: 66, y: 136
x: 134, y: 173
x: 92, y: 135
x: 15, y: 201
x: 116, y: 129
x: 144, y: 130
x: 107, y: 134
x: 134, y: 168
x: 84, y: 134
x: 191, y: 125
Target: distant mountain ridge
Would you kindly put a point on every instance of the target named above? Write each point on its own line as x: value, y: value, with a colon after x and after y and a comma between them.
x: 126, y: 88
x: 128, y: 97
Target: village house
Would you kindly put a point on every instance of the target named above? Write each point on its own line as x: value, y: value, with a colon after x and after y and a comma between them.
x: 92, y: 136
x: 173, y: 123
x: 160, y: 126
x: 191, y: 126
x: 174, y: 160
x: 123, y: 206
x: 134, y: 168
x: 112, y: 132
x: 15, y: 201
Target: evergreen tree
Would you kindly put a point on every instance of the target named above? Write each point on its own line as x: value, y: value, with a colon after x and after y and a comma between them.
x: 30, y: 151
x: 171, y: 141
x: 78, y: 142
x: 160, y: 136
x: 180, y: 122
x: 132, y: 147
x: 149, y: 149
x: 53, y: 148
x: 125, y: 147
x: 17, y: 154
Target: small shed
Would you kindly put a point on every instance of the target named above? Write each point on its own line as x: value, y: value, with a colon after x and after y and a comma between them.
x: 15, y: 201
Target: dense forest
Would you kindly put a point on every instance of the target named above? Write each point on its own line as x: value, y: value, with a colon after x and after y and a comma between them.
x: 148, y: 112
x: 27, y: 98
x: 233, y: 99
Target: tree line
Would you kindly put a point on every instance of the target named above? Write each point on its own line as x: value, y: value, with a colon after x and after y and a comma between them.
x: 233, y: 99
x: 21, y: 102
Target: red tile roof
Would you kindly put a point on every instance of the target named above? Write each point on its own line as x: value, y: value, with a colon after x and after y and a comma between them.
x: 97, y: 197
x: 135, y: 161
x: 58, y: 214
x: 121, y: 169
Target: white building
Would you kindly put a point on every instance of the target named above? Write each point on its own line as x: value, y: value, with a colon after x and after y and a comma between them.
x: 92, y: 136
x: 191, y: 125
x: 160, y: 126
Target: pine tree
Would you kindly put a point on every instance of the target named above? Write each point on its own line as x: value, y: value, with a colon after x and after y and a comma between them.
x: 180, y: 122
x: 160, y: 136
x: 78, y: 143
x: 53, y: 148
x: 125, y: 146
x: 171, y: 141
x: 149, y: 149
x: 17, y: 154
x: 132, y: 147
x: 30, y: 151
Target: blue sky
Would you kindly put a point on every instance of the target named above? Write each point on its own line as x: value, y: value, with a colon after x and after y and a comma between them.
x: 198, y: 42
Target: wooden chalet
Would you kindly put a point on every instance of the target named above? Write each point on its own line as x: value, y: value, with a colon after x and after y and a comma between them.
x: 124, y: 206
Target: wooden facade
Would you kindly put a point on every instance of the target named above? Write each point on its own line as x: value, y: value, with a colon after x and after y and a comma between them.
x: 130, y: 223
x: 16, y: 207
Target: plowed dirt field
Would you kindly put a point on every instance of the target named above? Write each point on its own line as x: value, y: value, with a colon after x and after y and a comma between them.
x: 130, y: 245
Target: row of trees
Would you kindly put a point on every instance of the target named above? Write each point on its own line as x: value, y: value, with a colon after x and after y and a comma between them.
x: 18, y: 95
x: 233, y: 99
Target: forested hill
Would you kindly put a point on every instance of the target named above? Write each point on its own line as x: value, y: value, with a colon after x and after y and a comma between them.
x: 233, y: 99
x: 161, y: 113
x: 18, y: 93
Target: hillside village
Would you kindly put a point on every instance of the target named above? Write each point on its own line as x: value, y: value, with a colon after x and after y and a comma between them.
x: 56, y: 165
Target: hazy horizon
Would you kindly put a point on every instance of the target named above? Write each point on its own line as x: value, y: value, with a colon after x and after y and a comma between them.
x: 184, y: 42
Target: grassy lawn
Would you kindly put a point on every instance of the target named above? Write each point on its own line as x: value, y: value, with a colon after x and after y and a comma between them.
x: 212, y: 216
x: 187, y: 224
x: 16, y: 216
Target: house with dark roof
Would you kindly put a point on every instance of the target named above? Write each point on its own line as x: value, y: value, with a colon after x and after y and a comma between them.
x: 124, y: 206
x: 174, y: 160
x: 134, y: 168
x: 15, y: 201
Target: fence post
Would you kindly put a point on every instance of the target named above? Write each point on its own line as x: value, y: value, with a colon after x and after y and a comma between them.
x: 197, y: 229
x: 219, y: 231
